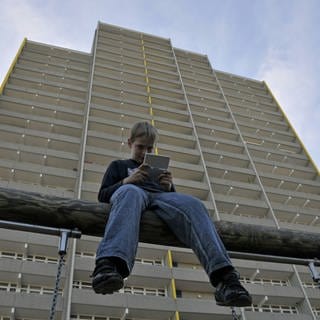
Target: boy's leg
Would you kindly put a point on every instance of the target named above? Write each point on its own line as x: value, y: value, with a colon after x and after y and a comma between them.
x: 117, y: 250
x: 188, y: 218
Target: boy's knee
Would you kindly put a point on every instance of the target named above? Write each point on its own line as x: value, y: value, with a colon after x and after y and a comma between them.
x: 184, y: 200
x: 190, y: 200
x: 127, y: 189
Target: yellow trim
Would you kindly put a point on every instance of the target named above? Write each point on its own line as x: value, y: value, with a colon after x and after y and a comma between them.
x: 147, y: 80
x: 148, y: 88
x: 170, y: 259
x: 294, y: 131
x: 173, y: 284
x: 6, y: 78
x: 173, y: 287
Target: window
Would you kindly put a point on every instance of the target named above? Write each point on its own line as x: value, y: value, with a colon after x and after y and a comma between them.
x: 273, y: 282
x: 47, y: 290
x: 11, y: 255
x: 145, y: 291
x: 26, y: 288
x: 78, y: 284
x: 273, y: 309
x: 43, y: 259
x: 29, y: 319
x: 89, y: 317
x: 8, y: 286
x: 86, y: 254
x: 34, y: 289
x: 155, y: 292
x: 40, y: 258
x: 52, y: 260
x: 316, y: 311
x: 310, y: 285
x: 153, y: 262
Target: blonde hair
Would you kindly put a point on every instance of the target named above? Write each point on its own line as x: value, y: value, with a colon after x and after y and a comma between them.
x: 143, y: 129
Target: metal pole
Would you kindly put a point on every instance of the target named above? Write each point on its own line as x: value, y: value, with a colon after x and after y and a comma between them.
x: 271, y: 258
x: 38, y: 229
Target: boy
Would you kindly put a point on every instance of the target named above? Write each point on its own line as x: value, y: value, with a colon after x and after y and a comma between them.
x: 127, y: 187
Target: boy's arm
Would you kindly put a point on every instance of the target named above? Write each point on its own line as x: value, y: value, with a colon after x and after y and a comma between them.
x: 111, y: 181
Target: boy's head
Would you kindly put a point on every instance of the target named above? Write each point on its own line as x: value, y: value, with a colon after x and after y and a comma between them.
x: 142, y: 138
x: 143, y: 129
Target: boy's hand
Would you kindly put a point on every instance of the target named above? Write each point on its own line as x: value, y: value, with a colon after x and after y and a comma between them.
x: 138, y: 176
x: 165, y: 180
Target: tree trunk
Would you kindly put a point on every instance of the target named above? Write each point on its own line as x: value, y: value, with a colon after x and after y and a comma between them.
x: 90, y: 218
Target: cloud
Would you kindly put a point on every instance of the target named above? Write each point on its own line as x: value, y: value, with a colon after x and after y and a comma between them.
x: 267, y: 40
x: 38, y: 21
x: 291, y: 69
x: 19, y: 20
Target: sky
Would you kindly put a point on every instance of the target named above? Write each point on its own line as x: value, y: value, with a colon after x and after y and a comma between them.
x: 271, y: 40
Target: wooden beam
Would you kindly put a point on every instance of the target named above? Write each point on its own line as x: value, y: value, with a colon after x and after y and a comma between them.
x: 90, y: 218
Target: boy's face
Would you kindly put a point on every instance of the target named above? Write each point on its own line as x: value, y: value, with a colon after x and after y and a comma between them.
x: 139, y: 147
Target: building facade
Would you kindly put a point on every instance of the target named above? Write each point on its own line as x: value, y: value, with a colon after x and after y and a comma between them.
x: 64, y: 115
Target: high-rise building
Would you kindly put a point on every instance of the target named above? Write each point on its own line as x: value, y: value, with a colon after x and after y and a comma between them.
x: 65, y: 114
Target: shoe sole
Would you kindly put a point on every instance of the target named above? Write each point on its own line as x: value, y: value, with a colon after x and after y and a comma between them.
x: 240, y: 301
x: 108, y: 286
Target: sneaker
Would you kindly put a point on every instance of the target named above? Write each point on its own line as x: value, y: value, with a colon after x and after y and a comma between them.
x: 105, y: 278
x: 230, y: 292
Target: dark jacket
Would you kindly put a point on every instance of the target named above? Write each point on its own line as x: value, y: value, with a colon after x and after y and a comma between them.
x: 119, y: 170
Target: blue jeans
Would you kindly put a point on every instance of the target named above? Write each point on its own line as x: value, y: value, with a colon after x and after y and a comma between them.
x: 185, y: 215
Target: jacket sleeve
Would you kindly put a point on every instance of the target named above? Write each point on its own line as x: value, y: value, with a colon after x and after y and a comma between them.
x: 111, y: 181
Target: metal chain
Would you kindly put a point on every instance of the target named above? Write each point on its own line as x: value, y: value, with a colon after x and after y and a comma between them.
x: 234, y: 314
x: 56, y: 289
